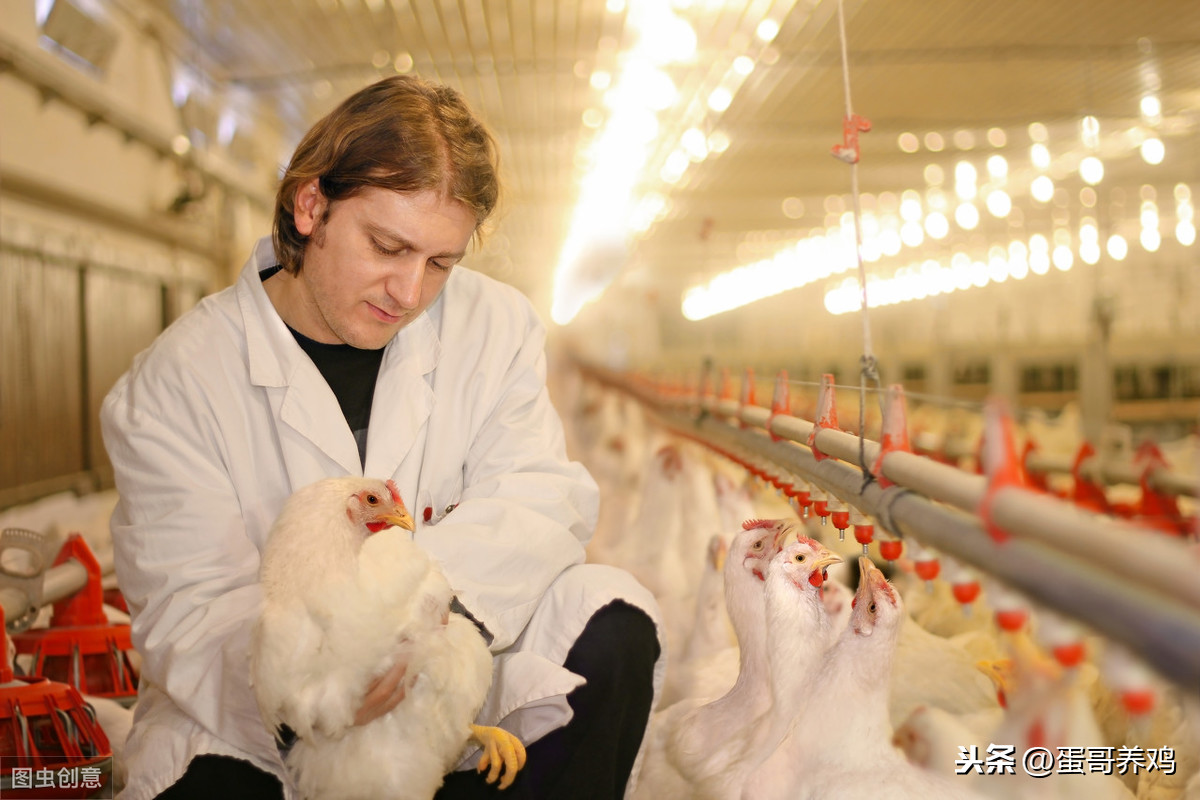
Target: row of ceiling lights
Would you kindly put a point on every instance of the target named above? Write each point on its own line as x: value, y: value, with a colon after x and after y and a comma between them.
x: 635, y: 92
x: 886, y: 233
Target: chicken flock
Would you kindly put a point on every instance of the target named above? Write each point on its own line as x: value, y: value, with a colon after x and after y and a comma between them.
x: 796, y: 669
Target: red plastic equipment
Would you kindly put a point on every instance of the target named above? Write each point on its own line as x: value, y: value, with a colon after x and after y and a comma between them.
x: 49, y: 737
x: 81, y: 648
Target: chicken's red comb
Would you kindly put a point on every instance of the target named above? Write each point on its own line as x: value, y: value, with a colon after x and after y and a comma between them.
x: 810, y: 542
x: 391, y: 485
x: 751, y: 524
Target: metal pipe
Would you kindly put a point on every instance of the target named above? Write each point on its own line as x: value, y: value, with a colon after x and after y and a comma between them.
x: 845, y: 446
x: 1108, y: 471
x: 1163, y: 630
x: 59, y: 583
x: 1160, y: 564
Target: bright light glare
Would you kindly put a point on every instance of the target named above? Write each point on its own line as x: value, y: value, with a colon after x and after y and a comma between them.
x: 999, y: 203
x: 936, y: 225
x: 1185, y: 233
x: 1151, y: 107
x: 965, y: 173
x: 1018, y: 260
x: 1091, y: 169
x: 1153, y: 150
x: 718, y: 142
x: 1042, y: 189
x: 674, y: 167
x: 912, y: 234
x: 1089, y: 132
x: 1063, y: 257
x: 767, y: 30
x: 997, y: 166
x: 720, y: 99
x: 1039, y: 154
x: 910, y: 207
x: 694, y: 144
x: 743, y: 65
x: 808, y: 260
x: 1089, y: 252
x: 1151, y: 239
x: 967, y: 216
x: 1117, y: 247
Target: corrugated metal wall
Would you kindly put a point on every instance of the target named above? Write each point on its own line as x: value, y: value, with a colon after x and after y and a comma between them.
x: 69, y: 327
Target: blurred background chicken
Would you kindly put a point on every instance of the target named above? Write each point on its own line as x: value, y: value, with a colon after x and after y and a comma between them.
x: 347, y: 594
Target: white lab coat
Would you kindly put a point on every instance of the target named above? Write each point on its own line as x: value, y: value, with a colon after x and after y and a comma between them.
x: 224, y: 416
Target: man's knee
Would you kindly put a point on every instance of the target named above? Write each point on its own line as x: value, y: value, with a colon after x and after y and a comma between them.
x: 618, y: 645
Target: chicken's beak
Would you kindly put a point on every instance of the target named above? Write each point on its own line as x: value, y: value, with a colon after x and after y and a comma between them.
x: 865, y: 565
x: 871, y: 578
x: 785, y: 534
x: 826, y: 561
x: 401, y: 519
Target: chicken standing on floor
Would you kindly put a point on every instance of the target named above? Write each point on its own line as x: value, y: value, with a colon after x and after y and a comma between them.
x: 346, y: 594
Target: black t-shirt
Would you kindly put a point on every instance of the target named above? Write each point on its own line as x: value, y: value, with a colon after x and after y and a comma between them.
x: 351, y: 374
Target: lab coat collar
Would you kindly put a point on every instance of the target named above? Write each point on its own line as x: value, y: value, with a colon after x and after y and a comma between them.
x: 309, y: 406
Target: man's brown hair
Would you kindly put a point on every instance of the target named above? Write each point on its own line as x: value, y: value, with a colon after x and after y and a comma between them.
x: 401, y: 133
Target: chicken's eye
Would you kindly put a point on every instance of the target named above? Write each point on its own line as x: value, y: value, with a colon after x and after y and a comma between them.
x: 800, y: 558
x: 758, y: 545
x: 372, y: 500
x: 871, y: 607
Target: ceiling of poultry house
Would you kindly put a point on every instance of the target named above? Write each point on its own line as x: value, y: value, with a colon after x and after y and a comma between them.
x: 664, y: 143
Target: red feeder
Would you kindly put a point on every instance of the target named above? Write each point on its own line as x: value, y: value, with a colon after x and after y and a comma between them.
x: 966, y: 592
x: 781, y: 401
x: 820, y: 505
x: 841, y: 519
x: 47, y: 726
x: 891, y: 549
x: 927, y: 569
x: 81, y: 648
x: 1011, y: 619
x: 748, y: 396
x: 801, y: 496
x: 826, y: 415
x: 895, y: 431
x: 1069, y: 654
x: 1138, y: 701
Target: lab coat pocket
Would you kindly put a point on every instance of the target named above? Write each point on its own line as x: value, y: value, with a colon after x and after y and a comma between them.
x: 433, y: 506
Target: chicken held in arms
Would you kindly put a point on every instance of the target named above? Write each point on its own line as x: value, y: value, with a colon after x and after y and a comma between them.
x: 347, y: 595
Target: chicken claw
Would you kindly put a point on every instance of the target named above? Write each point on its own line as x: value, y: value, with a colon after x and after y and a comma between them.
x: 500, y: 750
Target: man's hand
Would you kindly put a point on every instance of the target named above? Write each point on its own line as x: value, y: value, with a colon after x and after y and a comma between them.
x: 383, y: 694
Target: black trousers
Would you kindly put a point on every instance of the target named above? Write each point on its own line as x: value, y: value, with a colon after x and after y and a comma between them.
x: 591, y: 757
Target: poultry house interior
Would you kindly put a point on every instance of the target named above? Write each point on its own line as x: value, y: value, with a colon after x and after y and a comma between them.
x: 876, y: 324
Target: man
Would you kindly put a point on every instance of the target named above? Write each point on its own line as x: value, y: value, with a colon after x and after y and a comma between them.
x: 351, y: 344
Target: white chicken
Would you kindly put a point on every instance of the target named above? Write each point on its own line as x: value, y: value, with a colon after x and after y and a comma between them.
x: 345, y: 596
x: 694, y: 724
x: 839, y: 745
x: 797, y: 628
x: 710, y: 638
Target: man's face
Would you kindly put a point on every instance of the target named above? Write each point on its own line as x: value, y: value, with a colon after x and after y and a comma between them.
x: 375, y: 264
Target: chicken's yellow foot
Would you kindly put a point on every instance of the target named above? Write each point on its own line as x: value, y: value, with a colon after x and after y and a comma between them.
x: 501, y: 750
